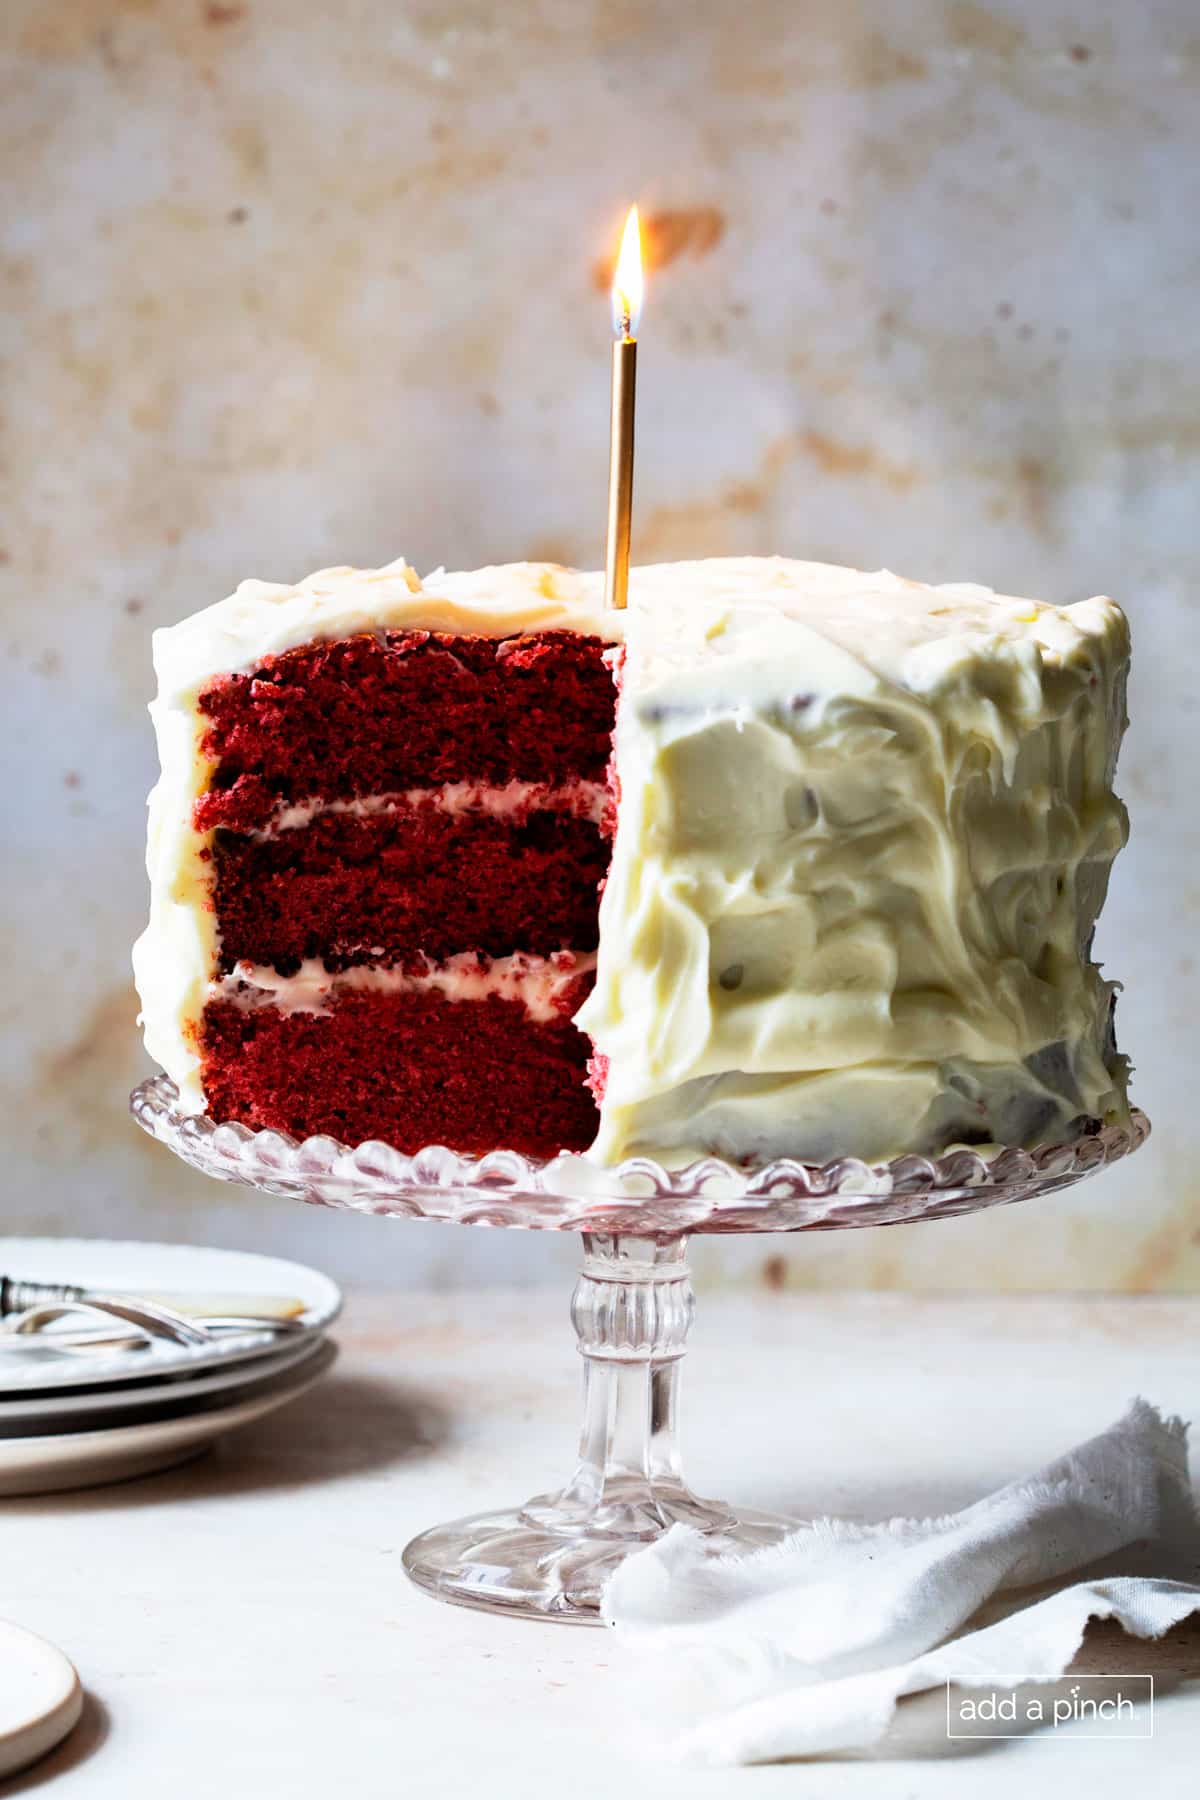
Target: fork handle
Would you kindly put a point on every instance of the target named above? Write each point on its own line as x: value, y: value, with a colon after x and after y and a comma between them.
x: 19, y: 1296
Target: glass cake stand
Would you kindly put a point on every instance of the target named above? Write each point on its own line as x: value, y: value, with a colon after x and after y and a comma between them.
x: 631, y: 1310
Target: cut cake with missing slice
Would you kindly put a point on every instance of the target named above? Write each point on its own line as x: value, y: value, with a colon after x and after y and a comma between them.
x: 832, y: 891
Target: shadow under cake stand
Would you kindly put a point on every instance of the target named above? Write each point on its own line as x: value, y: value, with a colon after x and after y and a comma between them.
x: 632, y: 1308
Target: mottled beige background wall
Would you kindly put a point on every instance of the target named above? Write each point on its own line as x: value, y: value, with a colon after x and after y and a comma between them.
x: 290, y: 283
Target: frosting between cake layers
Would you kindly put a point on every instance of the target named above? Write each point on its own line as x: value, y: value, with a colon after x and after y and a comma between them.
x: 539, y: 983
x: 512, y: 800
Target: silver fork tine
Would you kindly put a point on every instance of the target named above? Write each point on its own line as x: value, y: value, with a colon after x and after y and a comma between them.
x: 159, y: 1321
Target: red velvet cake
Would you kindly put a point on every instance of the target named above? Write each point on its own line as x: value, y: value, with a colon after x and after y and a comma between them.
x: 835, y: 896
x: 400, y: 820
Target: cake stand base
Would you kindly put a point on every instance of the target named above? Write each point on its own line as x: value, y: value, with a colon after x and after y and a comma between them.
x: 550, y: 1559
x: 546, y: 1562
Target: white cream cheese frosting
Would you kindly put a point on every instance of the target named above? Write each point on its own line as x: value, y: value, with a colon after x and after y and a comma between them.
x: 865, y: 829
x: 540, y: 984
x: 510, y: 800
x: 265, y: 618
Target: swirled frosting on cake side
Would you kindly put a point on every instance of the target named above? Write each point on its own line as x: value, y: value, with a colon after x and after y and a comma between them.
x: 865, y: 831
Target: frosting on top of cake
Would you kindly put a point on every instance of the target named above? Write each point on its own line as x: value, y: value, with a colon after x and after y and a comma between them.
x: 265, y: 618
x: 697, y: 611
x: 705, y: 623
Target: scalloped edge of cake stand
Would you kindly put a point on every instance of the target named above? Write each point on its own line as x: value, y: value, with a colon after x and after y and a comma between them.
x: 569, y: 1193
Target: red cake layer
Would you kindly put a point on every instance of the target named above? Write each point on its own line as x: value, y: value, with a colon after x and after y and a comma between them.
x: 376, y: 888
x: 380, y: 713
x: 410, y: 1069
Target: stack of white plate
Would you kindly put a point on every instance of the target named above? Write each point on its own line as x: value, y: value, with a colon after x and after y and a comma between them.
x: 77, y: 1420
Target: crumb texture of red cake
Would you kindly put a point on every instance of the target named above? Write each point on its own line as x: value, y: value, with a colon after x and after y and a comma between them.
x: 408, y: 1069
x: 379, y: 714
x: 382, y: 813
x: 418, y: 880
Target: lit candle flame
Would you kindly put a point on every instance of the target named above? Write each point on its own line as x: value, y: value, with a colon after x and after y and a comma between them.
x: 628, y: 288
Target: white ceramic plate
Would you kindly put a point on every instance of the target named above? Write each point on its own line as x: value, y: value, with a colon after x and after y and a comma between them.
x: 40, y: 1698
x: 78, y: 1459
x: 34, y: 1415
x: 153, y: 1268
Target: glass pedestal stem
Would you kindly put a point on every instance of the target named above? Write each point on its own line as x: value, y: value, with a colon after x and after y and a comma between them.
x: 632, y: 1311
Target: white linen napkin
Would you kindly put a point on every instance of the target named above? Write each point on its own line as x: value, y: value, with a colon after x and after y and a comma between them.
x: 805, y: 1647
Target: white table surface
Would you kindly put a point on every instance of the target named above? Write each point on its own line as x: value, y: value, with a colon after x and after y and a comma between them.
x: 243, y: 1626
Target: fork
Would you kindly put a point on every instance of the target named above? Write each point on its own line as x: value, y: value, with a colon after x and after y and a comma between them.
x: 27, y: 1306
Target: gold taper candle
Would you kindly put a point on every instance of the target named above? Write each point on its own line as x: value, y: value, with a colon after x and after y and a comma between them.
x: 620, y: 472
x: 627, y: 306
